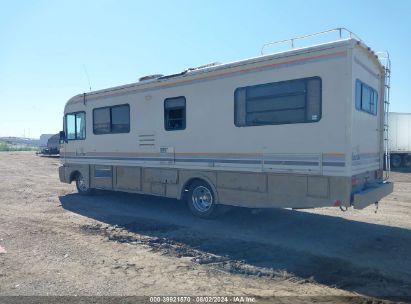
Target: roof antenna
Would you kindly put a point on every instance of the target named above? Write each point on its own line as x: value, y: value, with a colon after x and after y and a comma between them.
x: 88, y: 78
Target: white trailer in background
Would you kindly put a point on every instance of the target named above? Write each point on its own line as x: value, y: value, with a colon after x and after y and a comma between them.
x: 301, y: 128
x: 400, y: 139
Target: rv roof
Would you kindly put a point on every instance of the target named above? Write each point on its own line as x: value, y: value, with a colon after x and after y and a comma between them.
x: 216, y: 67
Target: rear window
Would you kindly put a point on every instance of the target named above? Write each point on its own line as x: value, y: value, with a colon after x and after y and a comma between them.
x: 285, y: 102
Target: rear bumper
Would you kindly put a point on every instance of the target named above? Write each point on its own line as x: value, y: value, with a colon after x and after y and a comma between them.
x: 371, y: 194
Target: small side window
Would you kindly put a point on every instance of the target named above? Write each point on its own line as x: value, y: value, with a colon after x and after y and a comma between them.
x: 76, y: 126
x: 358, y: 94
x: 175, y: 113
x: 366, y: 98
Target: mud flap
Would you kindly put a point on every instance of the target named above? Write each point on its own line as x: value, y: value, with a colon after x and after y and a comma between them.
x: 371, y: 194
x: 62, y: 174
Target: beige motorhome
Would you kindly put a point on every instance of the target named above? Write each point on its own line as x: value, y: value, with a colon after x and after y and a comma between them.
x: 301, y: 128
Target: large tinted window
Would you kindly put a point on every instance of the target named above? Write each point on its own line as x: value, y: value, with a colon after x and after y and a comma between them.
x: 175, y: 113
x: 285, y: 102
x: 114, y: 119
x: 101, y: 121
x: 76, y: 126
x: 366, y: 98
x: 120, y: 119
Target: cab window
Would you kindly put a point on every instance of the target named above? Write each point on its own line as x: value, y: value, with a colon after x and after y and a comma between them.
x: 76, y: 126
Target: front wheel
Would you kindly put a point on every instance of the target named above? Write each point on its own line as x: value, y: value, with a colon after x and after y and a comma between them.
x: 82, y: 185
x: 201, y: 200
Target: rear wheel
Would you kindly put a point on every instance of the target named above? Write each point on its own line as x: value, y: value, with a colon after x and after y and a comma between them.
x: 82, y: 185
x: 396, y: 160
x: 407, y: 160
x: 201, y: 200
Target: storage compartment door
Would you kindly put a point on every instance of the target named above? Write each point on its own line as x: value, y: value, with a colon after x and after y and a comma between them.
x: 102, y: 177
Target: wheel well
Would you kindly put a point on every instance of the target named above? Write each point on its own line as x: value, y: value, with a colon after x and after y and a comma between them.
x: 190, y: 182
x: 73, y: 176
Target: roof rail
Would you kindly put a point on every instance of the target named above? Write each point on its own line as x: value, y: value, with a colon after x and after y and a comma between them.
x: 150, y: 77
x: 204, y: 66
x: 342, y: 33
x: 384, y: 58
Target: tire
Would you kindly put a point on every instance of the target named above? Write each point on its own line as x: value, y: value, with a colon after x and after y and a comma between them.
x: 81, y: 185
x: 201, y: 200
x: 407, y: 160
x: 396, y: 160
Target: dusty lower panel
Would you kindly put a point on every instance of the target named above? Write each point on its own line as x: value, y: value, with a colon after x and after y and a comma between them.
x: 288, y: 191
x: 128, y: 178
x: 340, y: 189
x: 318, y: 186
x: 255, y: 182
x: 159, y: 175
x: 258, y: 190
x: 158, y: 189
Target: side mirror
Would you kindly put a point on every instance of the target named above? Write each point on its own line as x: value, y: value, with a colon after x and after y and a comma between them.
x: 63, y: 138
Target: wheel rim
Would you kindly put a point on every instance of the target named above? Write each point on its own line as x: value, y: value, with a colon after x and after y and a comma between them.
x: 202, y: 198
x: 81, y: 183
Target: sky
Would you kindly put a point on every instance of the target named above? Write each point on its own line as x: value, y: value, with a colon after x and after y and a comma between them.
x: 48, y: 47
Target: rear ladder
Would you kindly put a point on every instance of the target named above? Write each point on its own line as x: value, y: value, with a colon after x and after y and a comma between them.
x: 385, y: 60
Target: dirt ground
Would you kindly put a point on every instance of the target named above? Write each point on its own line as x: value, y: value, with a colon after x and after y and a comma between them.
x: 59, y: 243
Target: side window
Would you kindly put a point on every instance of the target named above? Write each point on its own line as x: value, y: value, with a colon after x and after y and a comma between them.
x: 120, y: 119
x: 358, y: 95
x: 76, y: 126
x: 71, y: 126
x: 114, y: 119
x: 175, y: 113
x: 101, y: 121
x: 285, y: 102
x: 80, y: 126
x: 366, y: 98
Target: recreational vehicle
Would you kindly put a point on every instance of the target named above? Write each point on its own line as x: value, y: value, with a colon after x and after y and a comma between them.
x: 52, y: 145
x: 300, y: 128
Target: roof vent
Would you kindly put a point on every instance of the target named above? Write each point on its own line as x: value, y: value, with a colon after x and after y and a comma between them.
x: 150, y: 77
